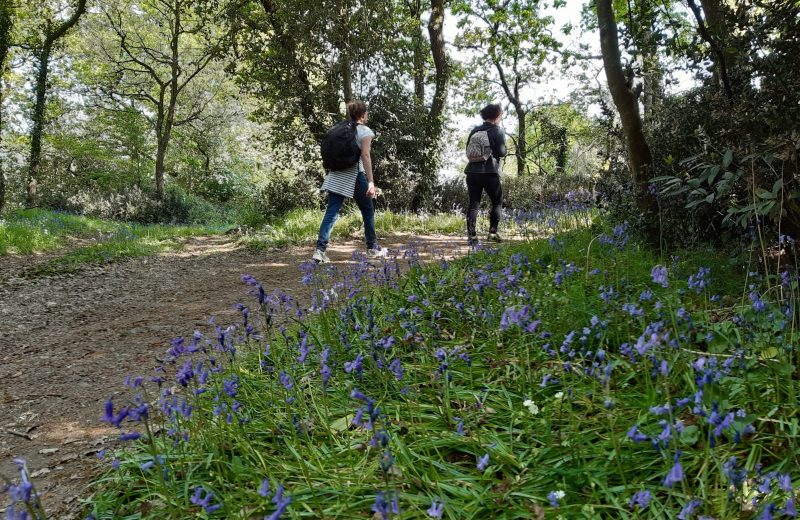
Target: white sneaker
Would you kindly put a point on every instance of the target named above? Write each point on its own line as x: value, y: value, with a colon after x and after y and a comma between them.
x: 320, y: 257
x: 378, y: 252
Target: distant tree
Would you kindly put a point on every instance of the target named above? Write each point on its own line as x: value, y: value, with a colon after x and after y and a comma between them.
x: 514, y: 41
x: 156, y: 49
x: 46, y: 35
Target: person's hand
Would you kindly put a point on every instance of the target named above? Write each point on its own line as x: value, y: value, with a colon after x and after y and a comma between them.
x: 371, y: 190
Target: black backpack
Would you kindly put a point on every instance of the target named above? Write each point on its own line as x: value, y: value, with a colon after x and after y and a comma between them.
x: 339, y: 148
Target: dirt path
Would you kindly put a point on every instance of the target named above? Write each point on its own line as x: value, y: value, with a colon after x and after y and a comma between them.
x: 67, y: 343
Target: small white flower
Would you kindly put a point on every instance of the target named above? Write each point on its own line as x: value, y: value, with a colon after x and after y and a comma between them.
x: 531, y: 406
x: 559, y: 494
x: 559, y: 395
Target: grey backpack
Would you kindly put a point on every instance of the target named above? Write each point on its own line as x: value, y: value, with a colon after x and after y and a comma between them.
x: 478, y: 147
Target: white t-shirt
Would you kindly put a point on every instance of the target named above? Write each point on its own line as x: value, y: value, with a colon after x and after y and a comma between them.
x: 344, y: 182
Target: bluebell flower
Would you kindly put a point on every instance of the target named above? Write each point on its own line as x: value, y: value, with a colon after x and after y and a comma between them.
x: 758, y: 303
x: 659, y: 275
x: 689, y: 509
x: 554, y: 497
x: 785, y: 482
x: 641, y: 499
x: 766, y: 514
x: 735, y: 475
x: 396, y: 368
x: 675, y: 474
x: 109, y: 416
x: 286, y: 380
x: 437, y: 509
x: 381, y: 505
x: 459, y: 425
x: 264, y: 488
x: 790, y: 510
x: 483, y: 462
x: 132, y: 436
x: 202, y: 497
x: 701, y: 280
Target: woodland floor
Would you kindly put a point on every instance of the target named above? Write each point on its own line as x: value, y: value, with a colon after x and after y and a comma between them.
x: 67, y: 342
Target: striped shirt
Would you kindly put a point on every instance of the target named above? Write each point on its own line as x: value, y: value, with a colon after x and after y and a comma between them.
x: 343, y: 182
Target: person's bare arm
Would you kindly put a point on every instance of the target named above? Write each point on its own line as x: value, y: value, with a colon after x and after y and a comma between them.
x: 366, y: 158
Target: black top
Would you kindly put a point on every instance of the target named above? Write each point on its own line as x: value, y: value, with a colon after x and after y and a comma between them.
x: 497, y: 141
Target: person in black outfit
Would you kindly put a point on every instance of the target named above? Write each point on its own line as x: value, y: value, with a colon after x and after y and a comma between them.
x: 485, y: 175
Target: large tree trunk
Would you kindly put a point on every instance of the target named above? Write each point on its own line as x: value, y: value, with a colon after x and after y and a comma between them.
x: 418, y: 45
x: 6, y: 23
x: 31, y: 193
x: 43, y: 59
x: 347, y: 77
x: 427, y: 180
x: 626, y: 101
x: 440, y: 61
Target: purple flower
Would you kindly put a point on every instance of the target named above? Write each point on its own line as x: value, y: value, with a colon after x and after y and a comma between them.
x: 109, y: 417
x: 459, y: 426
x: 659, y: 275
x: 701, y: 280
x: 286, y: 380
x: 675, y: 474
x: 483, y: 462
x: 785, y: 482
x: 641, y: 499
x: 689, y: 509
x: 381, y: 506
x: 635, y: 435
x: 554, y: 497
x: 758, y: 303
x: 264, y: 488
x: 437, y: 509
x: 396, y: 368
x: 132, y: 436
x: 790, y: 509
x: 202, y: 497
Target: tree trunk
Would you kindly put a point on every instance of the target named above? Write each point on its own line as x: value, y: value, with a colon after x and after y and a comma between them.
x: 161, y: 152
x: 347, y: 77
x: 522, y: 142
x: 43, y: 58
x: 625, y: 99
x: 417, y: 43
x: 6, y: 23
x: 31, y: 193
x: 427, y: 180
x: 440, y: 61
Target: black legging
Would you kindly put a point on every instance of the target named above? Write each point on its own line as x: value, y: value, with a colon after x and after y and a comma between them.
x: 476, y: 184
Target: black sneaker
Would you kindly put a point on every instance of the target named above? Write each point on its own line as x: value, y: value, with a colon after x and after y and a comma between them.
x: 494, y: 237
x: 472, y: 240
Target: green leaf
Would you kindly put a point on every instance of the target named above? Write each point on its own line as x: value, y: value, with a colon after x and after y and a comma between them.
x: 726, y: 160
x: 690, y: 434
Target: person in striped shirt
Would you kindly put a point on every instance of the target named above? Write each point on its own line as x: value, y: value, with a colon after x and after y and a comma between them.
x: 355, y: 183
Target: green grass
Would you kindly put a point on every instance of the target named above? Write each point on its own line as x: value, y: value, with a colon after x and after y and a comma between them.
x: 36, y: 231
x: 551, y: 405
x: 39, y: 231
x: 302, y: 226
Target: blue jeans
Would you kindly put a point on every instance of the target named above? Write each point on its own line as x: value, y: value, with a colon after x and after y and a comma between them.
x: 335, y: 202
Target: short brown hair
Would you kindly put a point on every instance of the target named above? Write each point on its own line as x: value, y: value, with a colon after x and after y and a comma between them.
x: 356, y: 109
x: 491, y: 112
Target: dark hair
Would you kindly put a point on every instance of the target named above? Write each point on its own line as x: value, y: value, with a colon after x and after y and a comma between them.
x: 490, y: 112
x: 356, y: 109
